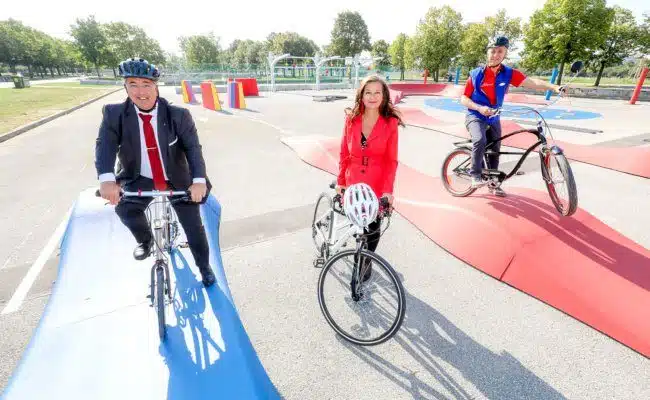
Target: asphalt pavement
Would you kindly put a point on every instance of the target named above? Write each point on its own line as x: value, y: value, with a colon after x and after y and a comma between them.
x: 465, y: 335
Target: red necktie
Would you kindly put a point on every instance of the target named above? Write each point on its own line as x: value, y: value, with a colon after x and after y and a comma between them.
x: 154, y: 157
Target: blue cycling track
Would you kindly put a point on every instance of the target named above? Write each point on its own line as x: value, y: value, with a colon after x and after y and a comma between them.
x: 510, y: 110
x: 98, y: 336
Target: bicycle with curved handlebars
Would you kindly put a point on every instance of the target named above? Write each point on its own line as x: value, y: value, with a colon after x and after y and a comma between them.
x: 374, y: 301
x: 164, y: 226
x: 458, y: 162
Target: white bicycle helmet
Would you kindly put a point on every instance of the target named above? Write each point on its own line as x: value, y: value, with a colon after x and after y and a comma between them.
x: 360, y: 204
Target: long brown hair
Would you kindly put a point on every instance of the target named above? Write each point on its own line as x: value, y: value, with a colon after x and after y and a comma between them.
x: 386, y: 109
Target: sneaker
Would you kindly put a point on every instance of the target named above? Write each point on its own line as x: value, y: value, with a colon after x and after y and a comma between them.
x: 142, y: 250
x: 477, y: 182
x: 207, y: 276
x: 498, y: 192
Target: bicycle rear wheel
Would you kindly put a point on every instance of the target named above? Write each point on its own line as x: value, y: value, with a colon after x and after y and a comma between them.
x: 455, y: 173
x: 322, y: 224
x: 560, y: 183
x: 160, y: 300
x: 365, y: 313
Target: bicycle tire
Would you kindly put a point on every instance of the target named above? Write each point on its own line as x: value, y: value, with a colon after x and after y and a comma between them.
x: 567, y: 174
x: 445, y: 173
x: 320, y: 248
x: 160, y: 301
x: 378, y: 262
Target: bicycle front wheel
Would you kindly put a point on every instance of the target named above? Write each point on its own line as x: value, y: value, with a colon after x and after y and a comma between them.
x: 160, y: 301
x: 560, y: 183
x: 365, y: 312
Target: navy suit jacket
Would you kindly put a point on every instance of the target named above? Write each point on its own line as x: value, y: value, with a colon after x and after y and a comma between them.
x: 119, y: 137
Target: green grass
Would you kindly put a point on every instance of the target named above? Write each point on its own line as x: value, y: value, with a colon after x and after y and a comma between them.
x: 21, y: 106
x: 63, y: 84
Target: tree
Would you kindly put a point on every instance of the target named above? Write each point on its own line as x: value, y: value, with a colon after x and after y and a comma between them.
x: 247, y: 54
x: 437, y: 38
x: 645, y: 35
x: 411, y: 61
x: 200, y: 49
x: 477, y: 35
x: 501, y: 24
x: 349, y: 36
x: 380, y: 49
x: 474, y: 44
x: 13, y: 47
x: 564, y: 31
x: 397, y: 51
x: 126, y: 41
x: 623, y: 40
x: 90, y: 39
x: 291, y: 43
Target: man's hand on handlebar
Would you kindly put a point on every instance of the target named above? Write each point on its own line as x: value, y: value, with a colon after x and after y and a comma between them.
x: 110, y: 191
x: 487, y: 111
x: 198, y: 191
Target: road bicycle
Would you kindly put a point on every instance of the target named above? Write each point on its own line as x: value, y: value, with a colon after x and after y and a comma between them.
x: 164, y: 226
x: 368, y: 288
x: 458, y: 162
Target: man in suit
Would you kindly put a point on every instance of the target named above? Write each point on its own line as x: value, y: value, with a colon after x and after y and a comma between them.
x: 158, y: 149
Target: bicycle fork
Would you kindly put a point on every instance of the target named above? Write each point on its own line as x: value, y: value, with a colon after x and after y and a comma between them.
x: 358, y: 271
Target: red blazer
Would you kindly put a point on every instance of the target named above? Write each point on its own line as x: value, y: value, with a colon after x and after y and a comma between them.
x: 375, y: 165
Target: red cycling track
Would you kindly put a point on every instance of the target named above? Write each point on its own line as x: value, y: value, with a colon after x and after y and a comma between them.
x: 401, y: 89
x: 576, y: 264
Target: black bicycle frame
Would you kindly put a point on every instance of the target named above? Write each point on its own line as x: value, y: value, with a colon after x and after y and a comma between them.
x: 488, y: 151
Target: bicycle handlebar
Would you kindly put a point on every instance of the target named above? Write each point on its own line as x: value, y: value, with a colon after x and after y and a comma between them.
x: 156, y: 193
x: 384, y: 206
x: 151, y: 193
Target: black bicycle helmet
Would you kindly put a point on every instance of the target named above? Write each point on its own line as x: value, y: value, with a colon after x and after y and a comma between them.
x: 138, y: 68
x: 499, y: 41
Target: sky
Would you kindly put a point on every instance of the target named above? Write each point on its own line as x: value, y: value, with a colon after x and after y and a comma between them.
x: 253, y: 19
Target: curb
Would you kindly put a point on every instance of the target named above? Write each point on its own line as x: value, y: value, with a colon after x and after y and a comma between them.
x: 32, y: 125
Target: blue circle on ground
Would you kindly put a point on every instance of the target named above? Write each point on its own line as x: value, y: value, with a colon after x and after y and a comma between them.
x: 449, y: 104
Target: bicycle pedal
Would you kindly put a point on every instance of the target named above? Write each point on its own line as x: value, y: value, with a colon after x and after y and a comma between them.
x: 319, y: 262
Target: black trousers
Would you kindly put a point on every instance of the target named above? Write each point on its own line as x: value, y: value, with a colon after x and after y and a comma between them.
x: 374, y: 232
x: 130, y: 210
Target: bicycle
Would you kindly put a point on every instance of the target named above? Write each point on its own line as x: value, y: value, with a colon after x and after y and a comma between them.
x: 368, y: 271
x: 164, y: 226
x: 494, y: 177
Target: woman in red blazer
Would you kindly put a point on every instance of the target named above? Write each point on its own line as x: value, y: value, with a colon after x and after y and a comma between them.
x: 369, y: 146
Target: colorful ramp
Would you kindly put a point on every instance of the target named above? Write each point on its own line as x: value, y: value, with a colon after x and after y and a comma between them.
x: 578, y: 265
x: 98, y: 337
x: 631, y: 160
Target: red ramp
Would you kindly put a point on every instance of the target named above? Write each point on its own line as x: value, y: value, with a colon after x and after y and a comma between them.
x: 578, y: 264
x: 449, y: 90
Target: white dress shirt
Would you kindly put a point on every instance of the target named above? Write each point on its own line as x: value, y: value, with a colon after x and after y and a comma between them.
x: 145, y: 165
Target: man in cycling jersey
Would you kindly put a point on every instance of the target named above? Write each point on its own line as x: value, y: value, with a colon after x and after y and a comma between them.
x: 158, y: 149
x: 485, y: 90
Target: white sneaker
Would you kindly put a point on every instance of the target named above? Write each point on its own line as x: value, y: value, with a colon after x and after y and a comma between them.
x: 477, y: 182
